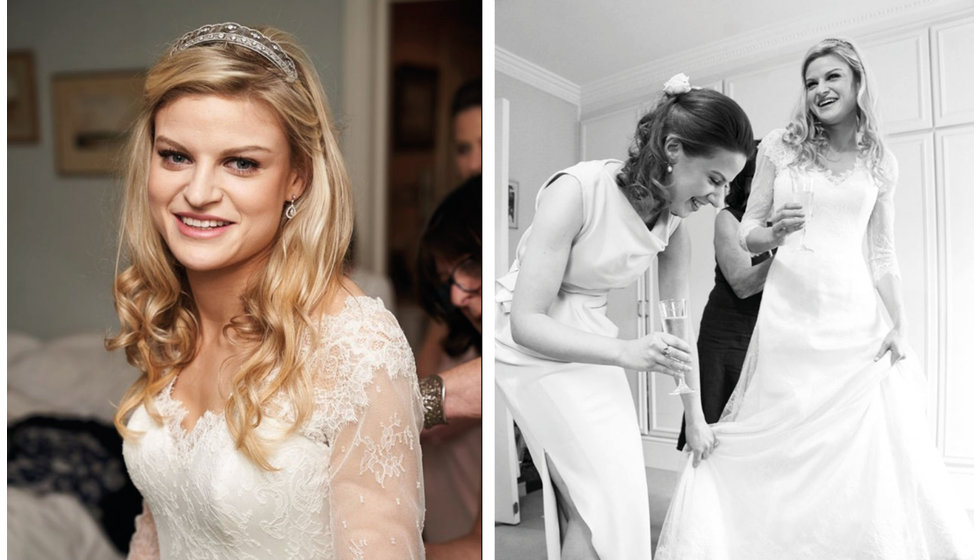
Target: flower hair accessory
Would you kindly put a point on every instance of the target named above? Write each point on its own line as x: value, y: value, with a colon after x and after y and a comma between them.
x: 678, y: 84
x: 240, y: 35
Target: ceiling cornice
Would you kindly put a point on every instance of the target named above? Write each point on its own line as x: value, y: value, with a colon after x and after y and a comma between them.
x: 521, y: 69
x: 780, y: 41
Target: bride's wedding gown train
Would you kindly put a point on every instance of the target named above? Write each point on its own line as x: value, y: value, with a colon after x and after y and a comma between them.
x: 823, y: 450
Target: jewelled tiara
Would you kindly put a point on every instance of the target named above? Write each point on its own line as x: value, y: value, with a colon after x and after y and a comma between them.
x: 239, y: 35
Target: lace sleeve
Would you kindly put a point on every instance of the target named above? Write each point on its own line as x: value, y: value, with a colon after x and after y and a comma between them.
x: 759, y: 206
x: 881, y: 226
x: 376, y: 464
x: 144, y: 544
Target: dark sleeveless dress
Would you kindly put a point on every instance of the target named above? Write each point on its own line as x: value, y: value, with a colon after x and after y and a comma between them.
x: 726, y: 328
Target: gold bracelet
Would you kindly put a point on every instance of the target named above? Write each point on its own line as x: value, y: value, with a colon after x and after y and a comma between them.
x: 433, y: 395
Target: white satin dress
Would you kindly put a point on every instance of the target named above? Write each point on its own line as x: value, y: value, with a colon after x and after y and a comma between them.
x: 349, y: 484
x: 582, y: 415
x: 823, y: 451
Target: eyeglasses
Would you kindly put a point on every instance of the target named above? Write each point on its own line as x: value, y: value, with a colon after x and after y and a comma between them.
x: 467, y: 275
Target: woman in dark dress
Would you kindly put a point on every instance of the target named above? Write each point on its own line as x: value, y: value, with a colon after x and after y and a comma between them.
x: 733, y: 305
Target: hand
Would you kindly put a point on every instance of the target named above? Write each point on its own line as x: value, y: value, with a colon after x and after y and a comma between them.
x: 658, y: 352
x: 701, y: 441
x: 895, y: 343
x: 788, y: 219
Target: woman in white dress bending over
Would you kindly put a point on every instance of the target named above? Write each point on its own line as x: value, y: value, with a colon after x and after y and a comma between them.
x: 598, y: 226
x: 822, y: 449
x: 278, y: 412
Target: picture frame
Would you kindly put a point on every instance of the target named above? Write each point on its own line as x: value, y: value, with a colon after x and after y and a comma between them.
x: 92, y: 116
x: 512, y: 190
x: 414, y: 108
x: 22, y: 119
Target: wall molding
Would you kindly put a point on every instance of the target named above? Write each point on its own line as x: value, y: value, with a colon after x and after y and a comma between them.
x: 536, y: 76
x: 765, y: 45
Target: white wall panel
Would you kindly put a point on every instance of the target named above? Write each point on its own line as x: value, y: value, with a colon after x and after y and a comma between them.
x: 916, y: 245
x: 954, y: 156
x: 768, y: 96
x: 952, y: 57
x: 899, y: 69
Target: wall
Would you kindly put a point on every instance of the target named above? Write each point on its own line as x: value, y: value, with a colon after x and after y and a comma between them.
x: 61, y: 231
x: 544, y: 138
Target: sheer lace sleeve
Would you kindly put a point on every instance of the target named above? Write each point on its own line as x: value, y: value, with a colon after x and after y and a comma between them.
x: 144, y: 544
x: 374, y: 417
x: 881, y: 226
x: 770, y: 154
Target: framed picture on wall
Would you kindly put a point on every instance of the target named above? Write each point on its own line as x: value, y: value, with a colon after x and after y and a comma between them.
x: 22, y: 123
x: 414, y: 111
x: 92, y: 114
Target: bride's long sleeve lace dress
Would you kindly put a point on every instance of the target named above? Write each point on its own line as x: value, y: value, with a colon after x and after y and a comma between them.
x: 349, y: 480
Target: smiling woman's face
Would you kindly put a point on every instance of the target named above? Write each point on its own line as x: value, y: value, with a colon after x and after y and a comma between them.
x: 220, y: 173
x: 699, y: 181
x: 831, y: 90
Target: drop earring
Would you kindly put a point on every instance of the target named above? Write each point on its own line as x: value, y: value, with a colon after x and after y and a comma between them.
x: 670, y: 168
x: 291, y: 209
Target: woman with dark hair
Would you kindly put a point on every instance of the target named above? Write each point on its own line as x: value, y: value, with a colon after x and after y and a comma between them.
x: 823, y: 450
x: 598, y: 226
x: 729, y: 316
x: 450, y: 289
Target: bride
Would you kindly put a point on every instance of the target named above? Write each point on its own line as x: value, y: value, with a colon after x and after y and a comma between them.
x: 821, y: 449
x: 278, y: 412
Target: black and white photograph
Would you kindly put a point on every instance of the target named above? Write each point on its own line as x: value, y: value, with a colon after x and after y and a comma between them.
x: 734, y: 320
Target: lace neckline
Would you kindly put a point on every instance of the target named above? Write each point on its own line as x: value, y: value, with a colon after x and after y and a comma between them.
x: 175, y: 410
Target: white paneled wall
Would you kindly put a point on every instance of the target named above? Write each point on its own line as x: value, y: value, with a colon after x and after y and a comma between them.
x: 954, y: 160
x: 952, y: 64
x: 899, y: 68
x: 768, y: 95
x: 924, y: 79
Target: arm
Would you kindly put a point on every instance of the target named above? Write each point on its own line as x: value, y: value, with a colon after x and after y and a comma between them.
x: 460, y: 394
x: 754, y: 236
x: 735, y: 262
x: 884, y: 264
x: 558, y: 219
x: 144, y: 544
x: 463, y: 390
x: 376, y: 463
x: 674, y: 265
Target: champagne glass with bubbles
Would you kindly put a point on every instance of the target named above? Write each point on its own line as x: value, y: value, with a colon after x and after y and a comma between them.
x: 673, y: 320
x: 802, y: 194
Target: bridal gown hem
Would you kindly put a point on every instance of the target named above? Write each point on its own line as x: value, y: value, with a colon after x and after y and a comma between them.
x: 582, y: 416
x: 823, y: 452
x: 348, y: 484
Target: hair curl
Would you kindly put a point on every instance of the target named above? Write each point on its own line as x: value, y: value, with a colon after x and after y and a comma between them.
x: 806, y: 136
x: 702, y: 120
x: 453, y: 233
x: 160, y: 326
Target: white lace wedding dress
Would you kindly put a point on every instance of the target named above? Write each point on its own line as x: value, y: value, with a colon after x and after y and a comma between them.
x: 349, y: 484
x: 823, y: 451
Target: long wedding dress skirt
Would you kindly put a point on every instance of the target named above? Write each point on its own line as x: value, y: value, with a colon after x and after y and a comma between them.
x: 823, y: 452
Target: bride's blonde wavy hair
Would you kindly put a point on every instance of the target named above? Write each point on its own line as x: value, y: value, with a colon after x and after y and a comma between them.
x: 805, y: 134
x: 159, y: 321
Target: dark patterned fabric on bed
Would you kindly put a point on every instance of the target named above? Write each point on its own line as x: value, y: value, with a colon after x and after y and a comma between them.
x: 82, y: 458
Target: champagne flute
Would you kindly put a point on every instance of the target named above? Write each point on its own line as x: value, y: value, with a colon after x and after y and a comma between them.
x: 673, y: 320
x: 802, y: 194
